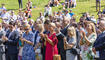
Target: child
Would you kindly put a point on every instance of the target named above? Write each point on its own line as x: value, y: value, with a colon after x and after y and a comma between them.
x: 28, y: 12
x: 30, y: 4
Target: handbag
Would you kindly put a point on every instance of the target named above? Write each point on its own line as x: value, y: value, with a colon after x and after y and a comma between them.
x: 73, y: 51
x: 56, y: 57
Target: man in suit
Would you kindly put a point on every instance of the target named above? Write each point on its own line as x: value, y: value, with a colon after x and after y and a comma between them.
x: 66, y: 24
x: 99, y: 45
x: 11, y: 42
x: 60, y: 44
x: 98, y: 4
x: 20, y: 4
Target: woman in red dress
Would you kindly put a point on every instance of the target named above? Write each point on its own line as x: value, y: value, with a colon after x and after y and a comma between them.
x: 51, y: 43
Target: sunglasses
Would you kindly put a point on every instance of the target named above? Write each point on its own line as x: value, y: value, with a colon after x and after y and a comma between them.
x: 26, y: 29
x: 10, y: 27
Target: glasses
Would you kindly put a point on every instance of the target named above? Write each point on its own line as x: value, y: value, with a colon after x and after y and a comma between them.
x: 10, y: 27
x: 26, y: 29
x: 49, y: 26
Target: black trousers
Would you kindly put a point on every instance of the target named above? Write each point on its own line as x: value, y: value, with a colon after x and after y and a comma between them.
x: 98, y: 5
x: 96, y: 59
x: 11, y: 56
x: 62, y: 52
x: 20, y: 4
x: 43, y: 51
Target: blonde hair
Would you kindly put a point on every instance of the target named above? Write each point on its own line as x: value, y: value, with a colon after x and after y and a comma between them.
x: 26, y: 26
x: 93, y: 27
x: 40, y: 27
x: 53, y: 25
x: 72, y: 31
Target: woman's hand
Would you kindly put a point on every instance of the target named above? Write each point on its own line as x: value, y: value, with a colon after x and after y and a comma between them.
x: 84, y: 34
x: 46, y: 37
x: 65, y: 45
x: 86, y: 39
x: 4, y: 38
x: 81, y: 34
x: 70, y: 45
x: 22, y: 39
x: 94, y: 50
x: 41, y: 35
x: 35, y: 48
x: 65, y: 39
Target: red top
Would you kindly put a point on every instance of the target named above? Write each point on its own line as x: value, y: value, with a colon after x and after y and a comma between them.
x: 51, y: 50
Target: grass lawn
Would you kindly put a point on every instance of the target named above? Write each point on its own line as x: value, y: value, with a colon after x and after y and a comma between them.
x: 82, y: 6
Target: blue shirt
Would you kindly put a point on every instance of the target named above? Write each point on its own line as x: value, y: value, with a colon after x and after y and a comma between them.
x: 71, y: 14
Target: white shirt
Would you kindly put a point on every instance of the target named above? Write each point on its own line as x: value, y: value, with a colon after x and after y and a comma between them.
x: 73, y: 0
x: 14, y: 17
x: 6, y: 17
x: 42, y: 18
x: 38, y: 37
x: 19, y: 17
x: 48, y: 10
x: 68, y: 16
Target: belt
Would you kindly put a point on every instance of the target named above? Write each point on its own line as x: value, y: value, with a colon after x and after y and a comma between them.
x: 68, y: 49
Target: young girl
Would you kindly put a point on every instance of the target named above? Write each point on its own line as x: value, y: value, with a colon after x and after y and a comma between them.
x: 70, y: 44
x: 28, y: 12
x: 30, y: 4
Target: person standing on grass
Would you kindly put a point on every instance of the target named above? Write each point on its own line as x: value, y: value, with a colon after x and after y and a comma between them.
x: 98, y: 4
x: 20, y: 4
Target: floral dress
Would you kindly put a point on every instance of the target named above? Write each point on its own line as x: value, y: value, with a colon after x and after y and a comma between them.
x: 86, y: 51
x: 28, y: 50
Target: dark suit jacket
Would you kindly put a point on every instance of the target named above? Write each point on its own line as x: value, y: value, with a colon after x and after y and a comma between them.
x: 60, y: 37
x: 100, y: 45
x: 60, y: 46
x: 12, y: 43
x: 64, y: 31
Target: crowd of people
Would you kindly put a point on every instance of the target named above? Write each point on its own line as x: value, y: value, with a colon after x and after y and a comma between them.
x: 53, y: 33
